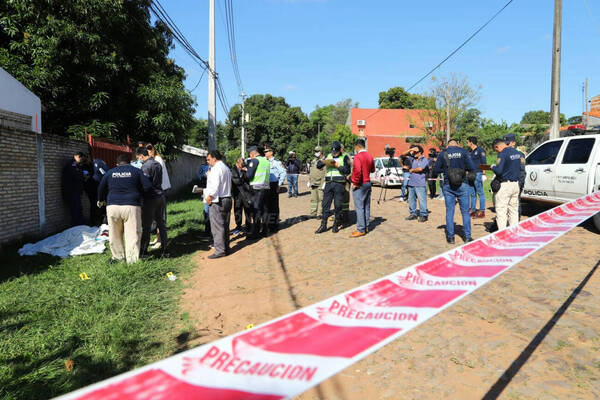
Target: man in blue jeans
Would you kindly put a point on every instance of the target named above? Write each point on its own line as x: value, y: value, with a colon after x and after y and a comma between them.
x: 416, y: 183
x: 478, y: 158
x: 293, y: 168
x: 361, y: 187
x: 453, y: 163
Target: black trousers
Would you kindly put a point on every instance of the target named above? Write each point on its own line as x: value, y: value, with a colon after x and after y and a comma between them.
x: 432, y: 188
x: 334, y: 191
x: 240, y: 207
x: 272, y: 205
x: 259, y: 210
x: 153, y: 210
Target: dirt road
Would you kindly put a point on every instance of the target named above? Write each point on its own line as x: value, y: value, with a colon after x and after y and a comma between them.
x: 533, y: 333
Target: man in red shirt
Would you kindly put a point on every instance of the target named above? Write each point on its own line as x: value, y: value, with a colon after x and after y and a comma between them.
x: 361, y: 187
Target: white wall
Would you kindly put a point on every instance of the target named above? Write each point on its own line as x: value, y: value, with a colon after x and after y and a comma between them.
x: 17, y: 98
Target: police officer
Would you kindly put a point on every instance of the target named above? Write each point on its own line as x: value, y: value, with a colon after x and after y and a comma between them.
x: 511, y: 140
x: 453, y: 163
x: 316, y: 182
x: 258, y: 172
x: 337, y: 167
x: 507, y: 170
x: 478, y: 157
x: 276, y: 178
x: 347, y: 187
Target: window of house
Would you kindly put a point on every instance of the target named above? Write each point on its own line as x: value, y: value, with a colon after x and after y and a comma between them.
x: 412, y: 125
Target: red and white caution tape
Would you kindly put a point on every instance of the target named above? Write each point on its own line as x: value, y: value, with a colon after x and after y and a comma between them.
x: 284, y: 357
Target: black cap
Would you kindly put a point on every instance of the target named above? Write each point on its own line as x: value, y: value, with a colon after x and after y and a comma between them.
x: 252, y: 148
x: 510, y: 137
x: 336, y: 146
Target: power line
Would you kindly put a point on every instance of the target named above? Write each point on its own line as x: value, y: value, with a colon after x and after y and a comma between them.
x: 461, y: 46
x: 230, y: 27
x: 589, y: 13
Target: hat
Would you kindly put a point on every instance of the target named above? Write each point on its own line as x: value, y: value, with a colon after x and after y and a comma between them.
x: 269, y: 148
x: 318, y: 148
x: 336, y: 146
x: 510, y: 138
x: 252, y: 148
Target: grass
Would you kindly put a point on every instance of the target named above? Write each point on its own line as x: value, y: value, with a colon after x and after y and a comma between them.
x: 59, y: 332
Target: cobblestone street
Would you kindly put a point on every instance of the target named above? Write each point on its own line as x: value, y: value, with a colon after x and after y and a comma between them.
x: 533, y: 322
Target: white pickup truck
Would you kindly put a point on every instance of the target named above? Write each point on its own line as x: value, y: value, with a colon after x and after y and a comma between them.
x: 561, y: 170
x: 387, y: 173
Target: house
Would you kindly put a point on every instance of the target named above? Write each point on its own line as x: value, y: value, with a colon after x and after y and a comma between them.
x: 591, y: 119
x: 397, y: 128
x: 19, y: 107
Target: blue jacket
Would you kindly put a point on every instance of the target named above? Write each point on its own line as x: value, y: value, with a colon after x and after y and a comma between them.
x: 100, y: 169
x: 478, y: 157
x: 459, y: 158
x: 509, y: 165
x: 123, y: 186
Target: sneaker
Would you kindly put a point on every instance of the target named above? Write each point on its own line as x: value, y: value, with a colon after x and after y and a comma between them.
x: 112, y: 261
x: 450, y: 240
x: 468, y: 239
x: 213, y: 256
x: 423, y: 219
x: 411, y: 218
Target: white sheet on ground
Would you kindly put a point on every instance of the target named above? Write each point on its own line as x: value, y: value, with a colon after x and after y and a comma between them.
x: 74, y: 241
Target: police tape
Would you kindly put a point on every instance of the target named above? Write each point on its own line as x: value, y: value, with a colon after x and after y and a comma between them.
x: 286, y: 356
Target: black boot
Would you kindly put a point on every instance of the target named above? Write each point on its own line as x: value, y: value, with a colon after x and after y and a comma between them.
x: 323, y: 226
x: 336, y: 226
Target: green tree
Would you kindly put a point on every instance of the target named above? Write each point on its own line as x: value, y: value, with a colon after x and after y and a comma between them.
x: 575, y: 120
x: 540, y: 117
x: 97, y: 65
x: 397, y: 97
x: 344, y: 135
x: 327, y: 118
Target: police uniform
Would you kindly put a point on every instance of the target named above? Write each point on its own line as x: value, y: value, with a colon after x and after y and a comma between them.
x: 507, y: 170
x: 316, y: 178
x: 459, y: 159
x: 258, y: 173
x: 335, y: 182
x: 276, y: 178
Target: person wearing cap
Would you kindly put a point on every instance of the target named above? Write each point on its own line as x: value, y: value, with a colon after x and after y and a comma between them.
x: 276, y: 179
x: 258, y: 172
x: 416, y: 183
x: 347, y: 187
x: 361, y: 181
x: 478, y: 157
x: 337, y: 167
x: 507, y: 170
x: 511, y: 140
x: 316, y: 183
x: 293, y: 167
x: 453, y: 163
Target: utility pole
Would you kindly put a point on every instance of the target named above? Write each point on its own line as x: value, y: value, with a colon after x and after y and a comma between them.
x: 243, y: 126
x: 447, y: 115
x: 212, y: 105
x: 555, y: 94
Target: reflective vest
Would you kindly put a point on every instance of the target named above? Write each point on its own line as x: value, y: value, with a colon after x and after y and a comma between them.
x: 261, y: 176
x: 332, y: 173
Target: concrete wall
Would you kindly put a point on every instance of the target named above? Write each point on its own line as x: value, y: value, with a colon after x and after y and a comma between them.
x: 184, y: 169
x: 26, y: 207
x: 16, y: 98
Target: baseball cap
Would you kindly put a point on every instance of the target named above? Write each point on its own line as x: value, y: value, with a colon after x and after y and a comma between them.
x: 318, y: 148
x: 510, y: 138
x: 336, y: 146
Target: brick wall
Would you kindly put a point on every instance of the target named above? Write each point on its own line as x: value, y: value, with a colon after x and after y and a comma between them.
x: 19, y: 211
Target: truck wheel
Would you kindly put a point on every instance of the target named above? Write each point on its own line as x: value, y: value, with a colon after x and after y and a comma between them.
x: 596, y: 219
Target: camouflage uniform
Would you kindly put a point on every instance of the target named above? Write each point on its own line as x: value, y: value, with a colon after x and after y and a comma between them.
x: 317, y: 181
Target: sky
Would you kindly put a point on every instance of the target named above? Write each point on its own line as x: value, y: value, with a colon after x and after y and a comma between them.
x: 318, y: 52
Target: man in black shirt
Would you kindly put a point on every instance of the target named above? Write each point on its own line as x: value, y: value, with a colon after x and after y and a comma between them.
x: 242, y: 198
x: 154, y: 208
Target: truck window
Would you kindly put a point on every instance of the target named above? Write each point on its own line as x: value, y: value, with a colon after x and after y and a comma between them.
x: 578, y: 151
x: 388, y: 164
x: 545, y: 154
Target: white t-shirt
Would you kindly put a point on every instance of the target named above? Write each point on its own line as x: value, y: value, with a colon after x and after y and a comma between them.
x: 166, y: 182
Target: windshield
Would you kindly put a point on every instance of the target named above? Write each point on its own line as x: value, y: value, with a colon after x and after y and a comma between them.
x: 394, y: 163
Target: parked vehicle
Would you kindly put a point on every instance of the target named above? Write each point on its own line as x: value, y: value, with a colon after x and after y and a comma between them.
x: 387, y: 173
x: 564, y: 169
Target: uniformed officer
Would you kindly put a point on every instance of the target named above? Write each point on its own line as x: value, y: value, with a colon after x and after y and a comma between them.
x: 453, y: 163
x: 507, y: 170
x: 258, y: 172
x: 337, y: 167
x: 316, y: 183
x: 511, y: 140
x: 347, y: 187
x: 276, y: 178
x: 478, y: 157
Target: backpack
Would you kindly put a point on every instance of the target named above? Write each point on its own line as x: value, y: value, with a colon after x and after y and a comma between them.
x: 456, y: 176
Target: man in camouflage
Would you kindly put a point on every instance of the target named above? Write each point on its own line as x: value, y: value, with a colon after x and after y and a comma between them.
x: 316, y: 183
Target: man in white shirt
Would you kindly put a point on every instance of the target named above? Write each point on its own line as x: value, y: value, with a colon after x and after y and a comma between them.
x: 218, y: 196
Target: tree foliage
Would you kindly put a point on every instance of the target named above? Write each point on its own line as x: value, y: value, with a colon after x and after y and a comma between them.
x: 97, y: 65
x: 540, y: 117
x: 397, y: 97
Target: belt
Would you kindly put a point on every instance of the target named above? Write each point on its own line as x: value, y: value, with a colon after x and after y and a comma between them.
x: 508, y: 181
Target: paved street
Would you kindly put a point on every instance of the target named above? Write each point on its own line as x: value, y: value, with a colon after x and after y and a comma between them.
x: 531, y: 321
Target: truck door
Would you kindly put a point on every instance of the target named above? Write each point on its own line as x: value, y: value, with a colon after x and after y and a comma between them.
x: 541, y: 167
x: 573, y: 172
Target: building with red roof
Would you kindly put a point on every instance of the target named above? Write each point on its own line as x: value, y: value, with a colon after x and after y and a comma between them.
x: 397, y: 128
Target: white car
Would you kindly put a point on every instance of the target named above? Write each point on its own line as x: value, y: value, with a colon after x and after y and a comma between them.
x: 387, y: 173
x: 561, y: 170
